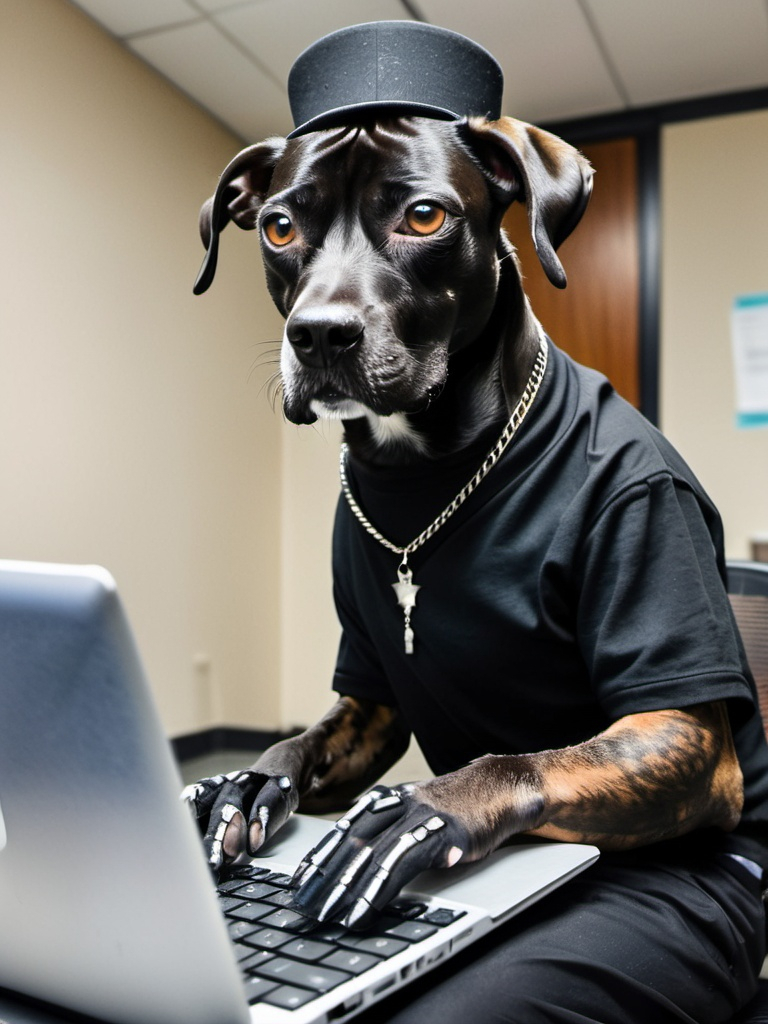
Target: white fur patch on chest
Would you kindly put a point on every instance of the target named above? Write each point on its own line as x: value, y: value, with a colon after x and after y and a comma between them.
x: 395, y: 430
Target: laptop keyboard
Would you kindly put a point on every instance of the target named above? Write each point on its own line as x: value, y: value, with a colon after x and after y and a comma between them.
x: 288, y: 959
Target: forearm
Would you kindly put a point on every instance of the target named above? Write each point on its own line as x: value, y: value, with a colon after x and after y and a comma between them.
x: 348, y: 750
x: 646, y: 778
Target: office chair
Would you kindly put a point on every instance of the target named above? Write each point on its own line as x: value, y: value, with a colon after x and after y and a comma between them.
x: 748, y: 592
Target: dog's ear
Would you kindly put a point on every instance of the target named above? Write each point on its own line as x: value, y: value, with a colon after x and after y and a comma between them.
x: 238, y: 197
x: 552, y: 178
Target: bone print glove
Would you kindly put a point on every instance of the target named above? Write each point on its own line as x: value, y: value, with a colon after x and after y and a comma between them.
x: 387, y: 838
x: 238, y: 812
x: 390, y: 835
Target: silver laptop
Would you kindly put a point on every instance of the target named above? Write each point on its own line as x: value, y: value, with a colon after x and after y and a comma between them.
x: 107, y: 906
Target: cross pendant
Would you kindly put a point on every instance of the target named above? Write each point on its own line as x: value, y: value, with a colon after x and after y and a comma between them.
x: 406, y: 590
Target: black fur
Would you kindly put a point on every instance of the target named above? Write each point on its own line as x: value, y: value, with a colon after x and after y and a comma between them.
x: 418, y: 342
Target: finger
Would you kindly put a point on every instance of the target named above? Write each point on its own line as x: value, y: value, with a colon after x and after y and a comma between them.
x: 330, y: 842
x: 225, y: 836
x: 372, y: 813
x: 327, y: 872
x: 413, y: 850
x: 321, y: 891
x: 274, y: 803
x: 362, y: 878
x: 201, y: 795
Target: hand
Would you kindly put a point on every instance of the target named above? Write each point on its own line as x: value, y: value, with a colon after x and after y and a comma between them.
x: 238, y: 812
x: 385, y: 840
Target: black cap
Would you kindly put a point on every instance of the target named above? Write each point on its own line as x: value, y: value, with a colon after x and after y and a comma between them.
x: 403, y: 67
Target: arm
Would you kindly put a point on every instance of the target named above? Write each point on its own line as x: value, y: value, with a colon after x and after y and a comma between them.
x: 648, y: 777
x: 321, y: 769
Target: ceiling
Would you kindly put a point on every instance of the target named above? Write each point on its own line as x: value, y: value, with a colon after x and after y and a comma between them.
x: 562, y: 59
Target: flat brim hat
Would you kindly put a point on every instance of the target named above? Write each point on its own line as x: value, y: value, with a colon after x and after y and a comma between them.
x: 398, y: 67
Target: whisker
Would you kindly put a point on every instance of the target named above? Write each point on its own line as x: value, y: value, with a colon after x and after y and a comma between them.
x: 273, y: 387
x: 266, y: 358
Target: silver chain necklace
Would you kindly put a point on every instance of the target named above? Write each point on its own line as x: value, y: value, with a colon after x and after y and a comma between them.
x: 405, y: 588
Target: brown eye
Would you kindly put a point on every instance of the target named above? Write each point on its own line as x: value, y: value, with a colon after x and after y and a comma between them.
x: 424, y: 218
x: 279, y: 229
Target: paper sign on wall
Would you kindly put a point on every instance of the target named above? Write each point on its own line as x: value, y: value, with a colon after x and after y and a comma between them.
x: 749, y: 337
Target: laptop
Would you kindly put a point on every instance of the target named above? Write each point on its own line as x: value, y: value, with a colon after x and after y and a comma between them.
x: 107, y: 905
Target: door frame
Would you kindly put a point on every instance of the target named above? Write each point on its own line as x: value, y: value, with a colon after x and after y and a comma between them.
x: 645, y: 126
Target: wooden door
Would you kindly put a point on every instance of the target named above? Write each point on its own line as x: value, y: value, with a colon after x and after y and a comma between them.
x: 596, y: 318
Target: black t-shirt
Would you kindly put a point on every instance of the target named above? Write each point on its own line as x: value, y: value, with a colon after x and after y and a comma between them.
x: 582, y: 581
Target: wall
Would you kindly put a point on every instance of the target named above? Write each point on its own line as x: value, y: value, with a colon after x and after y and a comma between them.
x: 714, y: 231
x: 132, y: 428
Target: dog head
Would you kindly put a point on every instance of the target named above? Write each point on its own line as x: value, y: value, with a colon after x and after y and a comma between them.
x: 382, y: 246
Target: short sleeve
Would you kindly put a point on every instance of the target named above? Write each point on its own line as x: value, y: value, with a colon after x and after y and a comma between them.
x: 655, y: 626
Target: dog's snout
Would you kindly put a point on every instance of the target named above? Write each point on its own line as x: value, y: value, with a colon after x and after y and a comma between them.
x: 320, y: 334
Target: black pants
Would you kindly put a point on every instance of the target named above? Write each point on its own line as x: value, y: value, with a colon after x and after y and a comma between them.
x: 633, y: 940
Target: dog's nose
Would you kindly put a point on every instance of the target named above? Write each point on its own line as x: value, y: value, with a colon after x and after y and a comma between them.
x: 320, y: 334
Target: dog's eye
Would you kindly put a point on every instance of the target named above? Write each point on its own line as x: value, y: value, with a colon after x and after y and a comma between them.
x: 279, y: 229
x: 424, y: 218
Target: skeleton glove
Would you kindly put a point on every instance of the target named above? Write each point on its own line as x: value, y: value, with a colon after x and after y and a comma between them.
x: 385, y: 840
x: 238, y: 812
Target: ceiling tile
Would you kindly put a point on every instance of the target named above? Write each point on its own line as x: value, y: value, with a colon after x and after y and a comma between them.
x: 220, y: 5
x: 553, y: 68
x: 220, y: 77
x: 667, y: 51
x: 561, y: 58
x: 277, y: 31
x: 122, y: 18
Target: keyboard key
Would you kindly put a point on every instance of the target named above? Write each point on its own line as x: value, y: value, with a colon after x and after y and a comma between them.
x: 443, y: 916
x: 254, y: 958
x: 308, y: 950
x: 351, y: 960
x: 329, y: 932
x: 241, y: 876
x: 379, y: 945
x: 267, y: 938
x: 228, y: 903
x: 277, y: 879
x: 288, y: 997
x: 412, y: 931
x: 288, y: 919
x: 406, y: 908
x: 312, y: 976
x: 255, y: 891
x: 230, y: 885
x: 257, y: 988
x: 250, y: 912
x: 243, y: 953
x: 382, y: 923
x: 239, y: 929
x: 279, y: 898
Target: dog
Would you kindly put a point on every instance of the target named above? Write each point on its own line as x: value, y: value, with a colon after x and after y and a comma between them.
x: 405, y: 272
x: 406, y: 318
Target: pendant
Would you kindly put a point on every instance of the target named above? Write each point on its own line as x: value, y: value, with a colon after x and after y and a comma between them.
x: 406, y: 590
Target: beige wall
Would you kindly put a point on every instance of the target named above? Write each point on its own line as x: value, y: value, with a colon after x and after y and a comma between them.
x: 714, y: 247
x: 132, y: 428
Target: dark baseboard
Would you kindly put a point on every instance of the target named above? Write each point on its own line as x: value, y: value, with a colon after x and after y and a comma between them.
x: 225, y: 737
